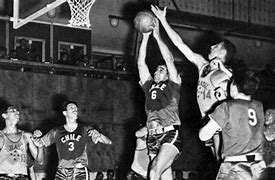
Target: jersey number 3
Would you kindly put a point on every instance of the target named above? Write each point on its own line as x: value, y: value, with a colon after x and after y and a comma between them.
x: 71, y: 144
x: 252, y: 118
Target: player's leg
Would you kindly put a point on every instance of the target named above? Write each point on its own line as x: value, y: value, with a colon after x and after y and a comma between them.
x: 258, y: 169
x: 223, y: 171
x: 167, y: 174
x: 81, y: 174
x: 163, y: 161
x: 234, y: 170
x: 217, y: 140
x: 63, y: 173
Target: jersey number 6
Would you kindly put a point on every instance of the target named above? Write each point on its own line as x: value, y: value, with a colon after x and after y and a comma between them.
x: 154, y: 94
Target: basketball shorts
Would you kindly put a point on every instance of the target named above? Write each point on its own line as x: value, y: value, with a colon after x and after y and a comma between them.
x: 72, y: 174
x: 241, y: 170
x: 132, y: 175
x: 14, y: 177
x: 173, y: 137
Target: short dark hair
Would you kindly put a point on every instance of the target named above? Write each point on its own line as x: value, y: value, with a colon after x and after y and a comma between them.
x: 3, y: 48
x: 5, y: 108
x: 230, y: 49
x: 110, y: 171
x: 65, y: 104
x: 99, y: 173
x: 246, y: 81
x: 22, y: 39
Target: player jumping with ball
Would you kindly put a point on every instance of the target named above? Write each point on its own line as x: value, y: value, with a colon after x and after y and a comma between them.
x: 162, y: 93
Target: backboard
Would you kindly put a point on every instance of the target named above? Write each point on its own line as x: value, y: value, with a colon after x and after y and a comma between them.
x: 76, y: 12
x: 25, y: 11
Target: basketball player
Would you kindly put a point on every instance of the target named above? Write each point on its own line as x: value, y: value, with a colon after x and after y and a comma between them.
x: 213, y: 75
x: 71, y: 142
x: 14, y: 145
x: 241, y: 121
x: 162, y: 94
x: 139, y: 167
x: 269, y: 131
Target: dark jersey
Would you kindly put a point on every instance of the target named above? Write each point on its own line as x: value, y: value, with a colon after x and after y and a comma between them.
x: 242, y: 124
x: 162, y: 101
x: 71, y: 146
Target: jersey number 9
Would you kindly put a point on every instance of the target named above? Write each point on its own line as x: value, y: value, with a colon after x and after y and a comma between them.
x: 252, y: 118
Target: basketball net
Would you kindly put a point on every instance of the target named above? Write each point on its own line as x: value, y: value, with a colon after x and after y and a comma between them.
x: 80, y: 12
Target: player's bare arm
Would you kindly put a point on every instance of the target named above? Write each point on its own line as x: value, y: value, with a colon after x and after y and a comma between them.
x: 208, y: 131
x: 1, y: 141
x: 1, y: 145
x: 98, y: 137
x: 195, y: 58
x: 141, y: 132
x: 167, y: 56
x: 35, y: 147
x: 143, y: 70
x: 222, y: 67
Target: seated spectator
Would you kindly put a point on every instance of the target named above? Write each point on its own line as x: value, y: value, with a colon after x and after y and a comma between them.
x: 13, y: 55
x: 37, y: 58
x: 192, y: 176
x: 99, y: 176
x: 22, y: 51
x: 83, y: 61
x: 110, y: 174
x: 64, y: 59
x: 178, y: 175
x: 3, y: 52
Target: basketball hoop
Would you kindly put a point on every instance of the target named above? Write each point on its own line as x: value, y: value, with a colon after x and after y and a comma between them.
x: 80, y: 11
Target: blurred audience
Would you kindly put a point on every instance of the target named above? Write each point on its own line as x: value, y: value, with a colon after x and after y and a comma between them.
x: 64, y: 58
x: 192, y: 176
x: 23, y: 51
x: 3, y: 52
x: 178, y: 175
x: 99, y: 176
x: 83, y: 61
x: 110, y: 174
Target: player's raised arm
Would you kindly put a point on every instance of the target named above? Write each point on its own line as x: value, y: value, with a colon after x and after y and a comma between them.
x: 167, y: 56
x: 143, y: 70
x: 195, y: 58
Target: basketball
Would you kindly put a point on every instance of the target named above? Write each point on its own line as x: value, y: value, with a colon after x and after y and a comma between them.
x: 144, y: 21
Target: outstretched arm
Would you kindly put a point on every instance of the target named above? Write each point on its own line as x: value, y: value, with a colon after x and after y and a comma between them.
x: 167, y: 56
x: 195, y: 58
x: 143, y: 70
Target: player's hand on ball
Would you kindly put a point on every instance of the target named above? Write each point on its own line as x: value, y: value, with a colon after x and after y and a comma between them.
x: 156, y: 29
